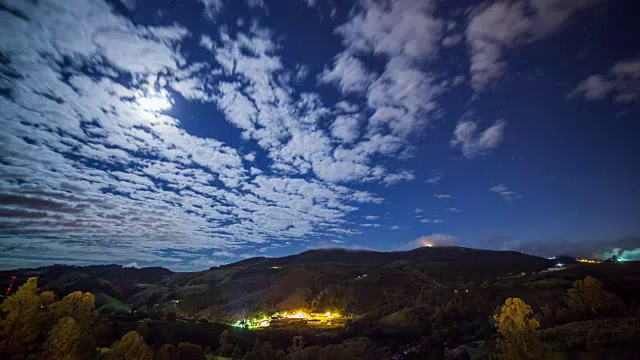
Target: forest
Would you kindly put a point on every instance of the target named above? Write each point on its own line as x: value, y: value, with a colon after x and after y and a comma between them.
x: 531, y: 316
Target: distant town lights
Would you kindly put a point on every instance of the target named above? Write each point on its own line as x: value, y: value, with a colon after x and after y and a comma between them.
x: 588, y: 261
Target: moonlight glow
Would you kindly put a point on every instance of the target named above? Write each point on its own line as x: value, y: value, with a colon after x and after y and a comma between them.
x: 155, y: 102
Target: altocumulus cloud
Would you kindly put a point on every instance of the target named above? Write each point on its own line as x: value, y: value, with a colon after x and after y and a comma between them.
x: 495, y: 27
x: 98, y: 166
x: 95, y: 170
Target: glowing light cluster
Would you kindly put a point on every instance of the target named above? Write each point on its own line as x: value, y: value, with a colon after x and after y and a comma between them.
x: 313, y: 318
x: 588, y: 261
x: 427, y: 243
x: 297, y: 315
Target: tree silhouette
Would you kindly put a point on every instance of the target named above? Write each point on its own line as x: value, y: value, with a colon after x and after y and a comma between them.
x: 129, y: 347
x: 589, y: 299
x: 516, y: 329
x: 296, y: 350
x: 166, y: 352
x: 225, y: 348
x: 256, y: 352
x: 144, y: 330
x: 188, y: 351
x: 237, y: 353
x: 67, y: 342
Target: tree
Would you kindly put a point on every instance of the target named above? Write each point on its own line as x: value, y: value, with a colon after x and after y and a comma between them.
x: 516, y: 329
x: 278, y: 355
x: 357, y: 348
x: 171, y: 317
x: 225, y: 348
x: 258, y: 351
x: 237, y: 353
x: 548, y: 315
x: 129, y: 347
x: 189, y: 351
x: 143, y: 330
x: 25, y: 321
x: 67, y: 342
x: 166, y: 352
x: 296, y: 349
x: 78, y: 305
x: 589, y: 299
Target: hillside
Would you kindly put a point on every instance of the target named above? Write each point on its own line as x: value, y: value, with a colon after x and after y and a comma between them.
x: 423, y: 302
x: 316, y: 278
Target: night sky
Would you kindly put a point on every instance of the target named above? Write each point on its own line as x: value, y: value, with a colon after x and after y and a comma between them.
x: 189, y: 134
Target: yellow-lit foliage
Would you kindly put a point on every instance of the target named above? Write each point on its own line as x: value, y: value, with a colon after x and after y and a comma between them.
x: 516, y: 329
x: 66, y: 341
x: 77, y: 305
x: 24, y: 319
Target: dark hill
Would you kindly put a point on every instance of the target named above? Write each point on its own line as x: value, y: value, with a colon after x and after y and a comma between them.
x: 456, y: 257
x: 352, y: 280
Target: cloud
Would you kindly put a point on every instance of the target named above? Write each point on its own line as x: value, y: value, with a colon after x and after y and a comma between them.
x: 370, y: 225
x: 206, y: 42
x: 310, y: 3
x: 401, y: 96
x: 268, y: 112
x: 404, y: 175
x: 498, y: 26
x: 395, y: 227
x: 139, y: 53
x: 403, y: 99
x: 592, y: 249
x: 418, y: 211
x: 212, y: 8
x: 346, y: 128
x: 431, y: 221
x: 371, y: 217
x: 223, y: 254
x: 301, y: 72
x: 403, y: 27
x: 89, y: 100
x: 503, y: 25
x: 435, y: 178
x: 100, y: 163
x: 443, y: 196
x: 625, y: 255
x: 348, y: 73
x: 622, y: 83
x: 458, y: 80
x: 433, y: 240
x: 256, y: 4
x: 505, y: 193
x: 451, y: 40
x: 454, y: 210
x: 474, y: 142
x: 130, y: 4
